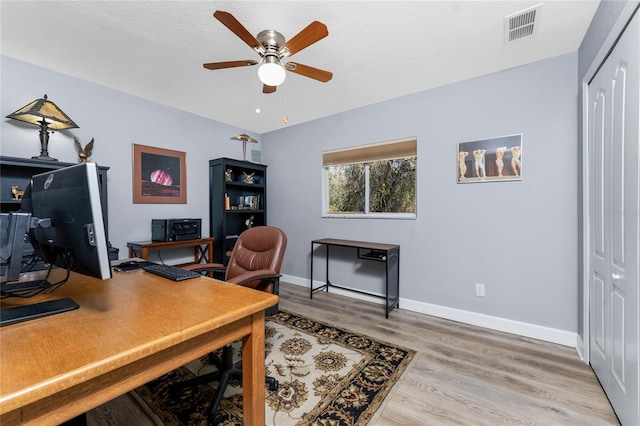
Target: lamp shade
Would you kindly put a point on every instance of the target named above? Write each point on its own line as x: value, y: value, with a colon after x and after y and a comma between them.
x: 46, y: 115
x: 271, y: 71
x: 244, y: 138
x: 44, y: 110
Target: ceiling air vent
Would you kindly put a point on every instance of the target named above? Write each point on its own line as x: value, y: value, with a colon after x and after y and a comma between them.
x: 522, y: 24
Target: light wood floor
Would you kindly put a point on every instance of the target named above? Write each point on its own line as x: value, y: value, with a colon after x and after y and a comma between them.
x: 461, y: 374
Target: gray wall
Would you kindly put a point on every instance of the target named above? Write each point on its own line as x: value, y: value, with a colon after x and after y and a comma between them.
x: 116, y: 121
x: 517, y: 238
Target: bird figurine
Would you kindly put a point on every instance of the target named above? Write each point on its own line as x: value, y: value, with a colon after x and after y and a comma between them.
x: 248, y: 178
x: 84, y: 153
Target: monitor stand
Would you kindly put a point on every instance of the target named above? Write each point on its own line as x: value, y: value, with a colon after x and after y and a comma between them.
x: 22, y: 313
x: 18, y: 287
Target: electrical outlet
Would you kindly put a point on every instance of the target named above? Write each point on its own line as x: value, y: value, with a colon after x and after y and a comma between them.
x: 480, y: 290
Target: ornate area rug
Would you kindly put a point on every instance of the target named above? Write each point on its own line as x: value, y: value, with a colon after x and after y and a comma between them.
x: 327, y: 375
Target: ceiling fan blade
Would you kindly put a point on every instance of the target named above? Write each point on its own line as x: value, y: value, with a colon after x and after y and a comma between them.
x: 229, y: 21
x: 307, y: 71
x: 268, y: 89
x: 313, y: 32
x: 229, y: 64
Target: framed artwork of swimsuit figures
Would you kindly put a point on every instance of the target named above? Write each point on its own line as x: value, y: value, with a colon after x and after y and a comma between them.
x: 490, y: 160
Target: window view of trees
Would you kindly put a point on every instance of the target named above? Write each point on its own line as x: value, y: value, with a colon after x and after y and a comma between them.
x: 392, y: 186
x: 346, y: 188
x: 389, y: 184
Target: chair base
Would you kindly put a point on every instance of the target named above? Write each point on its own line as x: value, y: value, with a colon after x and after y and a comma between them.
x: 227, y: 371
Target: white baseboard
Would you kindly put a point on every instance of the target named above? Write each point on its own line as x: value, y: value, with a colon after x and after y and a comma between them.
x: 547, y: 334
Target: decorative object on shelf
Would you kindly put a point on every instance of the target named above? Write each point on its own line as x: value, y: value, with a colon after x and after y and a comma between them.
x: 159, y: 175
x: 244, y: 138
x: 45, y: 114
x: 84, y: 153
x: 228, y: 175
x: 490, y: 160
x: 16, y: 192
x: 249, y: 222
x: 248, y: 178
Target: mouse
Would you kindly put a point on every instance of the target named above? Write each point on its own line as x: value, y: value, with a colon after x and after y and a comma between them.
x: 128, y: 263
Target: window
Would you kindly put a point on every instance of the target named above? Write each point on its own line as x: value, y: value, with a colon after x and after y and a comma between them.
x: 377, y: 180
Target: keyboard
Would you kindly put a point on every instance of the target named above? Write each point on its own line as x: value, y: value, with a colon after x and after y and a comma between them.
x: 171, y: 272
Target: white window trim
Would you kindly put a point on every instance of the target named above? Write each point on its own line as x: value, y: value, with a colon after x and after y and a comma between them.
x: 401, y: 216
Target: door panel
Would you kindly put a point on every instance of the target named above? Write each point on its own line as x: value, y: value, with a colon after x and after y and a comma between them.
x: 618, y: 164
x: 597, y: 184
x: 618, y: 349
x: 598, y: 321
x: 598, y: 140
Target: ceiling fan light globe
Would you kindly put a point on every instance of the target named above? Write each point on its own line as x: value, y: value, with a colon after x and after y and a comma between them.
x: 271, y: 74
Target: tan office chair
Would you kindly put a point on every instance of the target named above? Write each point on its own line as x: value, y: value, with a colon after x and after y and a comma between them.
x: 255, y: 262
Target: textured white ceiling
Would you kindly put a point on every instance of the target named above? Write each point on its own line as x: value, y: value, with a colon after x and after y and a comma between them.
x: 377, y: 50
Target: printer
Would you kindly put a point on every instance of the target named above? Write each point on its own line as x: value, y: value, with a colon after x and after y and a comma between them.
x: 175, y: 229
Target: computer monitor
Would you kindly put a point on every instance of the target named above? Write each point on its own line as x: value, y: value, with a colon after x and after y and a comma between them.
x: 62, y: 213
x: 70, y: 197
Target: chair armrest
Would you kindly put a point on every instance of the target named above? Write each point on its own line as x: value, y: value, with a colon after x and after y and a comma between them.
x: 201, y: 267
x: 209, y: 269
x: 260, y: 274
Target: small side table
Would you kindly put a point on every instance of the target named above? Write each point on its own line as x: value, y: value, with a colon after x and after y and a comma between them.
x: 203, y: 248
x: 379, y: 252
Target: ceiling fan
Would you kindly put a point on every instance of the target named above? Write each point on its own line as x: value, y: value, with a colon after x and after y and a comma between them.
x: 272, y: 48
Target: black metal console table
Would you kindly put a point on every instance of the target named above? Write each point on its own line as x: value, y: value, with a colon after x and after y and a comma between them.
x: 387, y: 253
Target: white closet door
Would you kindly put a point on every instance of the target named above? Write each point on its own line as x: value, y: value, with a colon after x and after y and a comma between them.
x: 614, y: 224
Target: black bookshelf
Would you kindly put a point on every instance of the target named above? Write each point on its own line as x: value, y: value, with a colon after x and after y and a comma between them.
x: 237, y: 200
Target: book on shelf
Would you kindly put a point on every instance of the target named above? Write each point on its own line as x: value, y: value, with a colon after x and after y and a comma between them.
x: 249, y: 202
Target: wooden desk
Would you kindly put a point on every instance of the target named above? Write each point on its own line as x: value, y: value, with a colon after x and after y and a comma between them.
x: 128, y: 330
x: 387, y: 253
x: 203, y: 248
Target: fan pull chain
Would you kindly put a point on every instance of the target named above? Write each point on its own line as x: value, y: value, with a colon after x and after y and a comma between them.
x: 285, y: 117
x: 257, y: 94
